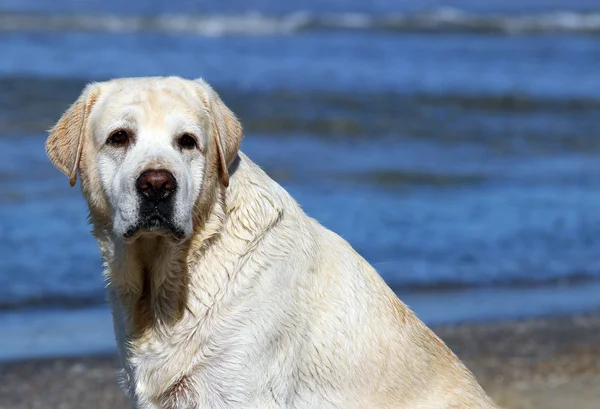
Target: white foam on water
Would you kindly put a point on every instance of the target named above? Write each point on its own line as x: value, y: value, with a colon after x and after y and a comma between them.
x: 254, y: 23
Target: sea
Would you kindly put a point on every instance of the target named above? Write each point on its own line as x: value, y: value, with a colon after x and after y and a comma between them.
x: 454, y: 144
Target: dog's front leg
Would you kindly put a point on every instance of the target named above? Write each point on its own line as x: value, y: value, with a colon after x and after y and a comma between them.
x: 124, y: 375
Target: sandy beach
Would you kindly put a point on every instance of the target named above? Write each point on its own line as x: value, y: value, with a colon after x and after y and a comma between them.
x: 551, y: 363
x: 548, y: 363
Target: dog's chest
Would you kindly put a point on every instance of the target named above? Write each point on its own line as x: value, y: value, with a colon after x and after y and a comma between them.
x: 202, y: 388
x: 188, y: 371
x: 161, y: 373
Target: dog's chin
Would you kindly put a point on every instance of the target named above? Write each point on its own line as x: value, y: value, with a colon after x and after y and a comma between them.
x: 154, y: 225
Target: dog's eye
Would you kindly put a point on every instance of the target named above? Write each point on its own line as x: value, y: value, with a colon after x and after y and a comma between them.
x: 187, y: 141
x: 119, y: 138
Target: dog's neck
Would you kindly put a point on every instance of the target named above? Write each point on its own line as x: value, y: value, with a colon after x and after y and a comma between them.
x: 151, y: 277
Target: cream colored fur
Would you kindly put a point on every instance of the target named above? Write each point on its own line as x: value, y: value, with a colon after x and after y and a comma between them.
x: 258, y: 306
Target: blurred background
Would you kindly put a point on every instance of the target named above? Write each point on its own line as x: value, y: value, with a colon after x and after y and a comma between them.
x: 454, y: 144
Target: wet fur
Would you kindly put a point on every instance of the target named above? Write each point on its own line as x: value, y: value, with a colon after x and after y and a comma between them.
x: 260, y: 306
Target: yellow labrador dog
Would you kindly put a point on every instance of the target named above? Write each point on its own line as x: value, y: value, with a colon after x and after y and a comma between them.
x: 224, y: 293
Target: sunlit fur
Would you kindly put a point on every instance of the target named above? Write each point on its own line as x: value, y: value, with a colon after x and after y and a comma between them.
x: 258, y: 306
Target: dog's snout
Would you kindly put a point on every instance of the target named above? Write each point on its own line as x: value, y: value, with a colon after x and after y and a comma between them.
x: 156, y: 185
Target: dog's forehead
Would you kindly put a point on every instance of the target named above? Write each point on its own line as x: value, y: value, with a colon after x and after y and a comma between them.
x: 152, y: 97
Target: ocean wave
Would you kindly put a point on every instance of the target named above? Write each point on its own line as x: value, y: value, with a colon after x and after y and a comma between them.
x: 566, y: 123
x: 441, y: 20
x: 389, y: 271
x: 63, y: 90
x: 64, y: 300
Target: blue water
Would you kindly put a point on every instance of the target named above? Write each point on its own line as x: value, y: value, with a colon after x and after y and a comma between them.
x: 453, y: 143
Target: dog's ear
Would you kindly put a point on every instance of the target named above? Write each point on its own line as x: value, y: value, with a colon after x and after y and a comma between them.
x: 65, y: 142
x: 225, y: 128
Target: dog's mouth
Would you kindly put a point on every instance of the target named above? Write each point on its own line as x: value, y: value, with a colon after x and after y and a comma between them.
x: 155, y: 223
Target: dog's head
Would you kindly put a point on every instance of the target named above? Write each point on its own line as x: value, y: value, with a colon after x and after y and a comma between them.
x: 148, y: 151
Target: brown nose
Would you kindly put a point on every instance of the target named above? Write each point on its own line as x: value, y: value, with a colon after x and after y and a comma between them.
x: 156, y: 185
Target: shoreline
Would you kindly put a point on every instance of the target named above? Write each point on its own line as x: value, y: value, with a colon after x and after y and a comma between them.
x: 549, y: 363
x: 36, y: 333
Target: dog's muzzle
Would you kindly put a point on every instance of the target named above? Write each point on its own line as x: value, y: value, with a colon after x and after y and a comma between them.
x: 156, y: 190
